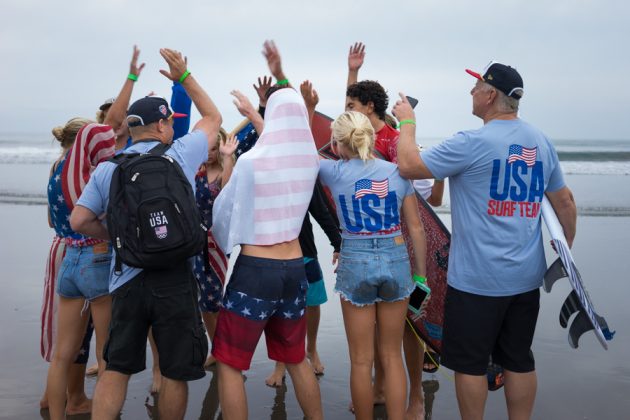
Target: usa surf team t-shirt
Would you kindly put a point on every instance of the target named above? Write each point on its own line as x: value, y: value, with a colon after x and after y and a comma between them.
x: 190, y: 151
x: 368, y: 196
x: 498, y: 176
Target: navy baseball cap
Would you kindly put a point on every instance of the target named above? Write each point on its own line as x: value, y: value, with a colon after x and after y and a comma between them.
x: 502, y: 77
x: 150, y: 109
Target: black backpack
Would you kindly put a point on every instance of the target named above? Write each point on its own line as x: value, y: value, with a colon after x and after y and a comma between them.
x: 152, y: 217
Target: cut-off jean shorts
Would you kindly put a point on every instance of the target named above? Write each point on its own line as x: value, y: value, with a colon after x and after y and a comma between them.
x: 84, y: 272
x: 374, y: 270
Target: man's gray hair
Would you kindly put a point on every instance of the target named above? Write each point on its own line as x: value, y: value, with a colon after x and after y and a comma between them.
x: 505, y: 104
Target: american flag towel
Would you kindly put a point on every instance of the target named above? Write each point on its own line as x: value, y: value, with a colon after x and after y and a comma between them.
x: 267, y: 196
x: 518, y: 152
x: 95, y: 143
x: 50, y: 300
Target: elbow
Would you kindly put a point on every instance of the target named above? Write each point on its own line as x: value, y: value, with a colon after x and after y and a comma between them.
x: 77, y: 224
x: 405, y: 169
x: 434, y: 201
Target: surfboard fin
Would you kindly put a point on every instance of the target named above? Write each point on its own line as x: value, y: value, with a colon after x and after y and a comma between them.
x: 581, y: 323
x: 554, y: 273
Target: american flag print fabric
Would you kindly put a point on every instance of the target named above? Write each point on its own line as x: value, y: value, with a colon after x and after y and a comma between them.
x: 95, y: 143
x: 51, y: 300
x: 366, y: 186
x: 518, y: 152
x: 267, y: 196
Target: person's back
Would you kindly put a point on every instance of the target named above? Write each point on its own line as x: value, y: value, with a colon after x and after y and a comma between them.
x: 501, y: 173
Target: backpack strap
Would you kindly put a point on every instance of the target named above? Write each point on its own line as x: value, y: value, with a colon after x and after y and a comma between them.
x: 160, y: 149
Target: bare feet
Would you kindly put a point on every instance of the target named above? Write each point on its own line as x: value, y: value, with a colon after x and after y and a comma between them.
x: 157, y: 380
x: 79, y: 407
x: 316, y: 364
x: 277, y: 376
x: 379, y: 399
x: 92, y: 370
x: 415, y: 410
x: 210, y: 361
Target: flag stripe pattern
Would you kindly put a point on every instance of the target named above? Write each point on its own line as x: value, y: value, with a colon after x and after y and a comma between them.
x: 268, y: 194
x: 518, y: 152
x: 95, y: 143
x: 50, y: 301
x: 366, y: 186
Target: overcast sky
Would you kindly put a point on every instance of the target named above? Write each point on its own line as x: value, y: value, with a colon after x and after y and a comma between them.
x: 61, y: 59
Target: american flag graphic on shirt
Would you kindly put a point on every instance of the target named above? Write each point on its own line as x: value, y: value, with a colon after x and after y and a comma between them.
x: 367, y: 186
x: 518, y: 152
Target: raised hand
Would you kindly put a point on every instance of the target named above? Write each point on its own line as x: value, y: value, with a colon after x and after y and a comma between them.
x: 243, y: 104
x: 133, y: 66
x: 176, y: 64
x: 228, y: 148
x: 356, y: 56
x: 262, y: 88
x: 272, y: 55
x: 403, y: 110
x: 311, y: 99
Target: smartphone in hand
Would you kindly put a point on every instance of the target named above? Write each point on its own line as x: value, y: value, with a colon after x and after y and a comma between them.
x: 419, y: 295
x: 412, y: 101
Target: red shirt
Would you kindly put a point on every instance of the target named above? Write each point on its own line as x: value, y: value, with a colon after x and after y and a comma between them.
x: 386, y: 143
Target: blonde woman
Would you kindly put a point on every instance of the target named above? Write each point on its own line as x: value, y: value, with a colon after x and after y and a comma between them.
x: 212, y: 176
x: 374, y: 276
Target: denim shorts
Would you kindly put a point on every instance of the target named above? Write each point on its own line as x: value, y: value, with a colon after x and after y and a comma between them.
x: 374, y: 270
x: 84, y: 272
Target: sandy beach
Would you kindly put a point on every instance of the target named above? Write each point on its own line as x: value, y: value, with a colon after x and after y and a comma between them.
x: 586, y: 383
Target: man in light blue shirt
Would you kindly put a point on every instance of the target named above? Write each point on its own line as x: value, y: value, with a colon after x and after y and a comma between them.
x: 498, y: 176
x: 165, y: 300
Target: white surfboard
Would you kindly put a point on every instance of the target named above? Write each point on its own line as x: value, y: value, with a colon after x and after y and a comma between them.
x: 578, y: 300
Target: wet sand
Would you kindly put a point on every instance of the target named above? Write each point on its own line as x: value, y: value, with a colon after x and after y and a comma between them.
x: 586, y: 383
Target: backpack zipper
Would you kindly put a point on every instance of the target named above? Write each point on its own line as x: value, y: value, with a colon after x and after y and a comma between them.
x: 133, y: 178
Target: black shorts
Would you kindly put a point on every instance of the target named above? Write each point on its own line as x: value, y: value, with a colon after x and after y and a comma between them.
x: 477, y: 327
x: 165, y: 300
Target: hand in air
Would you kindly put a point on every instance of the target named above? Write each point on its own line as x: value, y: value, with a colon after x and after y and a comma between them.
x: 270, y: 51
x: 311, y: 99
x: 403, y: 110
x: 356, y: 56
x: 263, y: 86
x: 243, y: 104
x: 229, y: 147
x: 176, y: 64
x: 133, y: 66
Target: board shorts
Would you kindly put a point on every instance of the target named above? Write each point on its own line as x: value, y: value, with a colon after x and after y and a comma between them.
x: 316, y: 293
x: 84, y: 272
x: 477, y: 327
x: 263, y: 295
x: 374, y: 270
x: 166, y: 301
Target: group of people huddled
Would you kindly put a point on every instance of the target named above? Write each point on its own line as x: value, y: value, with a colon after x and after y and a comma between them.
x: 257, y: 192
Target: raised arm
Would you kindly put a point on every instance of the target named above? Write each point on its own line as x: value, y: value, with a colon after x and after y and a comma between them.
x: 261, y: 89
x: 563, y: 204
x: 180, y: 103
x: 227, y: 150
x: 311, y: 99
x: 355, y: 61
x: 118, y: 111
x: 410, y: 163
x: 247, y: 110
x: 274, y: 61
x: 210, y: 121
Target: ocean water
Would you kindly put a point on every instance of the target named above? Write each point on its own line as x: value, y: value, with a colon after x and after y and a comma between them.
x: 583, y: 383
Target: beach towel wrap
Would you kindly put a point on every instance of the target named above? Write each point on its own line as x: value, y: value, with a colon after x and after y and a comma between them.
x: 267, y: 196
x: 95, y: 143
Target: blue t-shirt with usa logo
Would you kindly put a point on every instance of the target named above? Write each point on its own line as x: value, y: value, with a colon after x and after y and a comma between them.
x: 368, y: 196
x: 498, y: 176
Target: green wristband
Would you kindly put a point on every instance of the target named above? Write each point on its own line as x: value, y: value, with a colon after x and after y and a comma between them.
x: 282, y: 82
x: 133, y: 77
x: 403, y: 122
x: 184, y: 76
x: 419, y: 279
